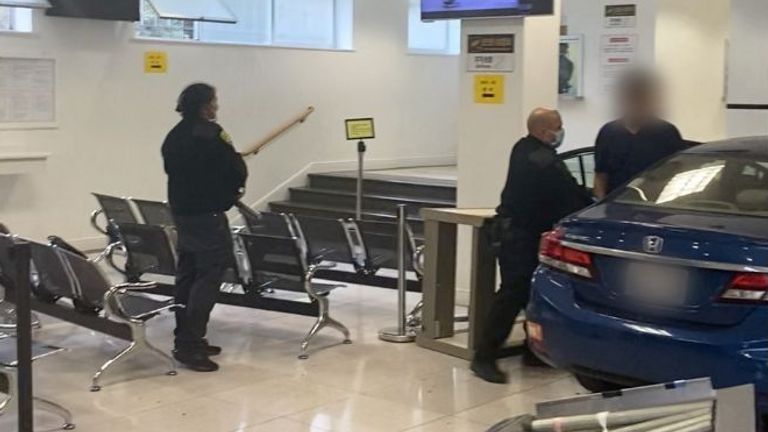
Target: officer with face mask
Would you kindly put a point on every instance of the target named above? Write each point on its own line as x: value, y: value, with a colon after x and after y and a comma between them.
x: 538, y: 193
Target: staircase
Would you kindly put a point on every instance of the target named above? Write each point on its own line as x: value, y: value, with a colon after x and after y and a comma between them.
x: 332, y: 195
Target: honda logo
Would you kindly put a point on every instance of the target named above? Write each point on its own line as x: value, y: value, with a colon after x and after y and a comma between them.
x: 653, y: 244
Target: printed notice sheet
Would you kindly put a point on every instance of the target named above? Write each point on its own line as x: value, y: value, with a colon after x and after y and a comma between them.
x: 27, y: 90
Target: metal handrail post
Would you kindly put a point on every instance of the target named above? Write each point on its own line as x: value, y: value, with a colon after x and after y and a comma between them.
x: 21, y: 258
x: 401, y: 333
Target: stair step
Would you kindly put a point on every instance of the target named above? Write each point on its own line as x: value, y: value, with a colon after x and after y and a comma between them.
x: 371, y: 202
x: 339, y: 213
x: 406, y: 188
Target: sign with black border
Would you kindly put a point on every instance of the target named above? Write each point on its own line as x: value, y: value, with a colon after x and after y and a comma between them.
x: 359, y: 129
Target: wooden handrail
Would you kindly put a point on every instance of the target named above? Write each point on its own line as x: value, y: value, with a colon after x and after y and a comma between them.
x: 277, y: 132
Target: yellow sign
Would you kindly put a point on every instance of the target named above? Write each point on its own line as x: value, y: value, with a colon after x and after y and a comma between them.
x: 360, y: 129
x: 155, y: 62
x: 489, y: 89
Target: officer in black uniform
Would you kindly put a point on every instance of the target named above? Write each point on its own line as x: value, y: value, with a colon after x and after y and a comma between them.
x: 206, y: 177
x: 539, y: 192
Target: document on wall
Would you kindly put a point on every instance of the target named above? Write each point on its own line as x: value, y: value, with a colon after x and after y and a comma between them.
x: 27, y: 90
x: 618, y: 52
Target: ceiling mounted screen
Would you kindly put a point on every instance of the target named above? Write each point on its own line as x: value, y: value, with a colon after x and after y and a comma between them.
x: 114, y: 10
x: 456, y: 9
x: 194, y: 10
x: 34, y: 4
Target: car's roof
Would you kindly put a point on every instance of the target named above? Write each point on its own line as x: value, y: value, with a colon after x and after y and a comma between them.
x: 750, y: 145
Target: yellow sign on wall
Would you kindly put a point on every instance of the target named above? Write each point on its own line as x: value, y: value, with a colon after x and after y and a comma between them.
x: 155, y: 62
x: 489, y: 89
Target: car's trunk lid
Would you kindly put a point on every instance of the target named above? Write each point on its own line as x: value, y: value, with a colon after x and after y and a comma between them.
x: 658, y: 266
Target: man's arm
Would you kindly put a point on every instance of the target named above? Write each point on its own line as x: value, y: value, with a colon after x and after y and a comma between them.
x: 601, y: 185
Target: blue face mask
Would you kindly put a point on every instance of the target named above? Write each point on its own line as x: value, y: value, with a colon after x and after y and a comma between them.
x: 559, y: 138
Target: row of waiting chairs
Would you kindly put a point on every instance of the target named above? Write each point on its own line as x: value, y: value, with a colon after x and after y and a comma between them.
x: 60, y: 272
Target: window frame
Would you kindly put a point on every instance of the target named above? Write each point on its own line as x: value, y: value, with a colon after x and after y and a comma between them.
x: 343, y: 43
x: 11, y: 31
x: 453, y: 30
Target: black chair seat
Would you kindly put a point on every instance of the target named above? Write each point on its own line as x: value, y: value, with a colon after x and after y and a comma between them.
x: 298, y: 286
x: 8, y: 357
x: 138, y: 305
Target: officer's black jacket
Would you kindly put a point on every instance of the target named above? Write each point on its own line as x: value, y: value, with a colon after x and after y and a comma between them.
x: 539, y: 190
x: 205, y: 173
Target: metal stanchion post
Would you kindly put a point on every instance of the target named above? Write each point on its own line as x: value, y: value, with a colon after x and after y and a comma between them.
x: 21, y: 256
x: 402, y: 333
x: 360, y: 160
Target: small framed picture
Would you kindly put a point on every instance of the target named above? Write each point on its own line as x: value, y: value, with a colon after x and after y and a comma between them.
x: 571, y: 74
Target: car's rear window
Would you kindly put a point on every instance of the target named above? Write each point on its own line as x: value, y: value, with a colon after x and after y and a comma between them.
x: 706, y: 182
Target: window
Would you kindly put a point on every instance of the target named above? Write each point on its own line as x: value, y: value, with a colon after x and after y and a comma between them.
x: 717, y: 183
x: 437, y: 37
x: 15, y: 19
x: 294, y: 23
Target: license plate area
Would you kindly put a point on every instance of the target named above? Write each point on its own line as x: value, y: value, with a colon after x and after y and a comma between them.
x: 656, y: 284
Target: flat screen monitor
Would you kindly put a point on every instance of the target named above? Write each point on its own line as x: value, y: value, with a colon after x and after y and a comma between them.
x: 115, y: 10
x: 456, y: 9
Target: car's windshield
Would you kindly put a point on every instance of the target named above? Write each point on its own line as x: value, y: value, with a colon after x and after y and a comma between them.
x: 705, y: 182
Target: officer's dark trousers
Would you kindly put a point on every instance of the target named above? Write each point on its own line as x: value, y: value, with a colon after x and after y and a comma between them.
x: 518, y: 259
x: 205, y: 253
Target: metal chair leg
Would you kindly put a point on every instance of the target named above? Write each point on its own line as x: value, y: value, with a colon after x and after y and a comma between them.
x: 158, y: 352
x: 122, y: 356
x: 56, y: 409
x: 323, y: 320
x: 10, y: 404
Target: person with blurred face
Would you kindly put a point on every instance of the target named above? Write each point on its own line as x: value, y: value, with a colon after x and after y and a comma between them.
x: 638, y: 139
x: 538, y: 193
x: 206, y: 177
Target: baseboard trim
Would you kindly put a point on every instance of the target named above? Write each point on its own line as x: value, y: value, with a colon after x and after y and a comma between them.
x: 280, y: 192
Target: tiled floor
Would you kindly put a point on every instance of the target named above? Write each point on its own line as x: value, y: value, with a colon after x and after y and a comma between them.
x: 368, y: 386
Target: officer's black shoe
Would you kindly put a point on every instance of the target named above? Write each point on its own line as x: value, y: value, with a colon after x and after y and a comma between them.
x: 488, y: 371
x: 196, y: 361
x: 531, y: 360
x: 211, y: 350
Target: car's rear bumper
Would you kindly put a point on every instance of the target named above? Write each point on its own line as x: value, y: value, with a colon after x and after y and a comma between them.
x: 616, y: 349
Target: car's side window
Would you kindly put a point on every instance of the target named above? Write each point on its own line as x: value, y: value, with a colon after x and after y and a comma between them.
x: 582, y: 168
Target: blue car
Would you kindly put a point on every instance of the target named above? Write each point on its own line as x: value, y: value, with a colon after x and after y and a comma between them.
x: 666, y: 279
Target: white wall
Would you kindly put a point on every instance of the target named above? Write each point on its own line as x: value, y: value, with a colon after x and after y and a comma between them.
x: 684, y: 39
x: 690, y: 55
x: 748, y: 67
x: 583, y: 118
x: 112, y: 117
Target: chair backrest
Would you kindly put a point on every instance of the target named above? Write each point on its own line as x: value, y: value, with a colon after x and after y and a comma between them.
x: 90, y: 282
x: 149, y: 248
x: 117, y: 210
x: 269, y: 224
x: 275, y: 255
x: 154, y: 212
x: 380, y: 241
x: 326, y: 237
x: 51, y: 271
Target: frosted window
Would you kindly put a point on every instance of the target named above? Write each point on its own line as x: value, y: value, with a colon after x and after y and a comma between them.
x: 304, y: 22
x: 437, y: 37
x: 36, y: 4
x: 296, y: 23
x: 15, y: 19
x: 193, y: 10
x: 253, y: 24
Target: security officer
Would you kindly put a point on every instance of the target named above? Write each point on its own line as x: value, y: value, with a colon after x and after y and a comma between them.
x: 206, y: 177
x: 539, y: 192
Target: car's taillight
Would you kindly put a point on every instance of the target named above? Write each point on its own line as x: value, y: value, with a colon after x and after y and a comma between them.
x: 747, y: 288
x: 554, y: 254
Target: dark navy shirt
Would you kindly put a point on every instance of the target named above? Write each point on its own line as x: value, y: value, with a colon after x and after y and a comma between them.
x: 622, y: 155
